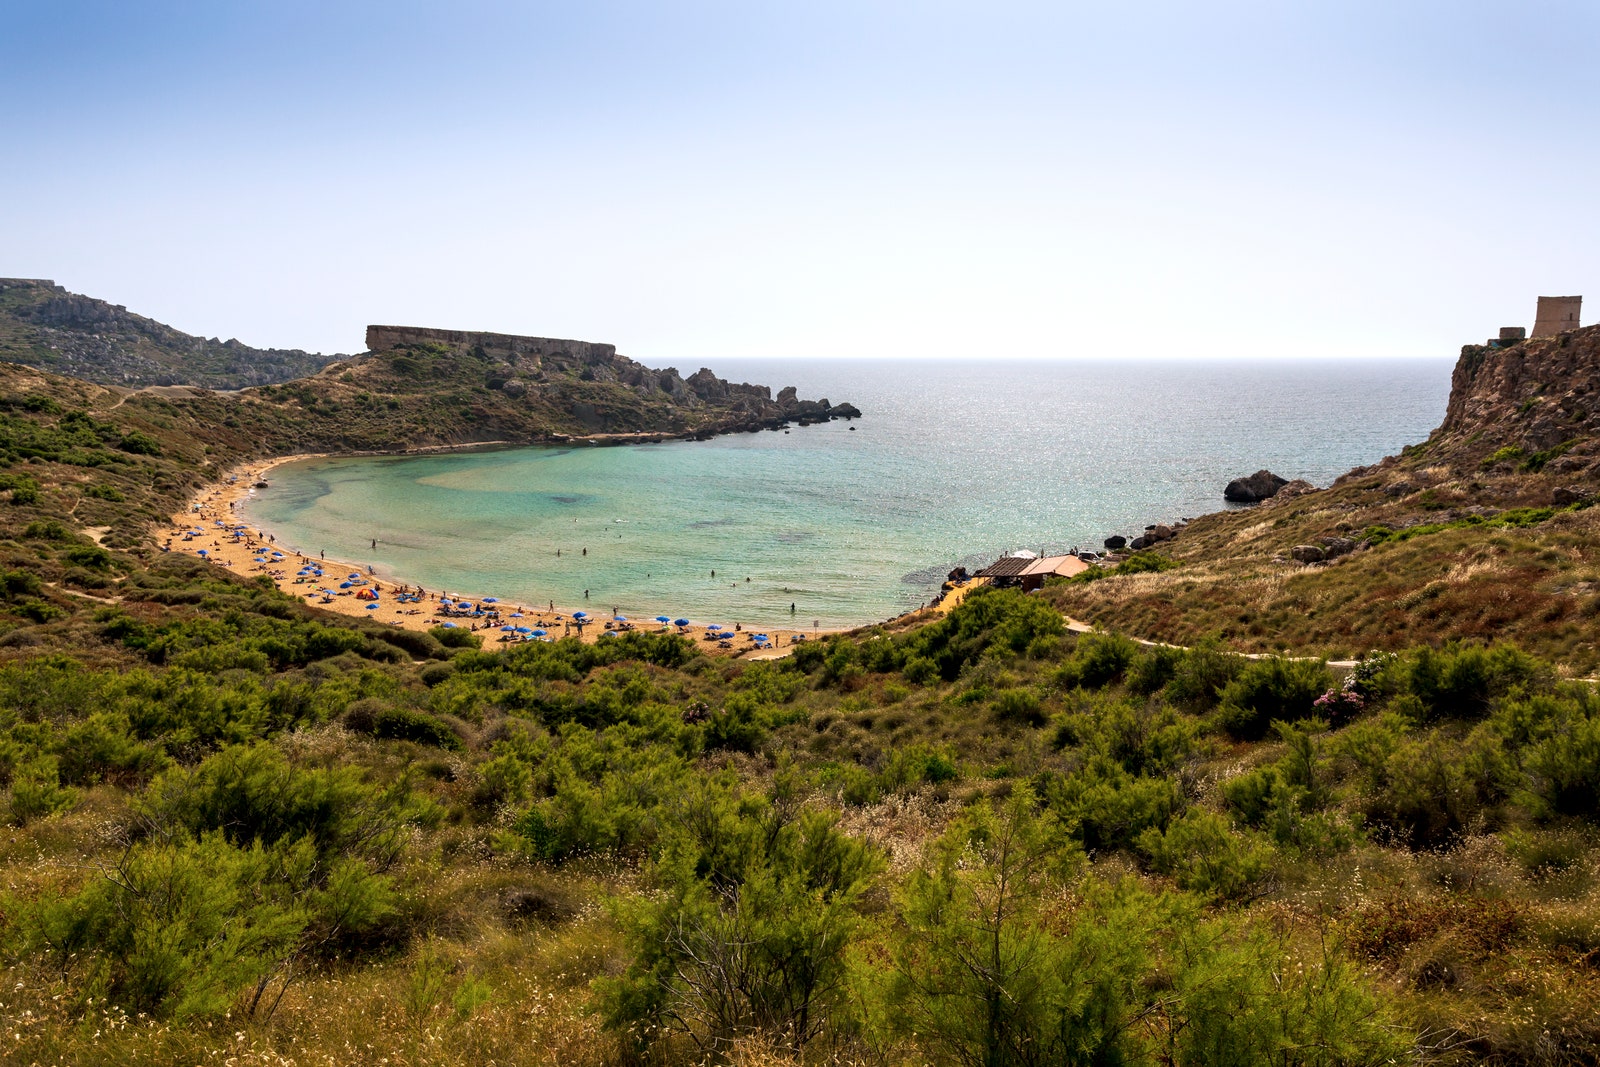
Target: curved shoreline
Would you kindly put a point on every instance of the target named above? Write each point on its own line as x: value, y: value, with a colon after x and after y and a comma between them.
x: 218, y: 501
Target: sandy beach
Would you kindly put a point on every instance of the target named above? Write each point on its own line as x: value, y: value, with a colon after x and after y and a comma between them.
x: 225, y: 540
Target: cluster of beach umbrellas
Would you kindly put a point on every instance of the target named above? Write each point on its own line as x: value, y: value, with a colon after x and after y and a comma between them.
x: 525, y: 633
x: 355, y: 578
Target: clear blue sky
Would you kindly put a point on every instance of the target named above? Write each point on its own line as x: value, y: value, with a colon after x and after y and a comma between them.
x: 704, y: 180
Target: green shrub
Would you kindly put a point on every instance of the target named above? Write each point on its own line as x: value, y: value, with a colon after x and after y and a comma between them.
x: 36, y: 790
x: 1201, y: 673
x: 101, y: 748
x: 139, y: 444
x: 405, y: 724
x: 19, y: 583
x: 1509, y: 453
x: 181, y: 928
x: 1564, y: 766
x: 915, y: 765
x: 1431, y: 790
x: 1154, y: 669
x: 748, y: 935
x: 1020, y: 706
x: 455, y: 637
x: 979, y: 976
x: 1271, y: 690
x: 738, y: 726
x: 1146, y: 562
x: 39, y: 610
x: 48, y: 530
x: 1459, y: 682
x: 920, y: 670
x: 1204, y: 856
x: 1097, y: 661
x: 252, y: 795
x: 505, y: 779
x: 1106, y: 808
x: 1002, y: 620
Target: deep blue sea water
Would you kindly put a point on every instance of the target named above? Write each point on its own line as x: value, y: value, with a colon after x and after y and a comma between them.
x: 854, y: 522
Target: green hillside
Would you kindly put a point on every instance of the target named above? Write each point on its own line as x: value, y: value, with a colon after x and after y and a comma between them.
x: 238, y: 830
x: 43, y: 325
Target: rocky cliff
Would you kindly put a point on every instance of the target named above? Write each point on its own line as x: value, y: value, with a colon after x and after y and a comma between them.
x: 43, y: 325
x: 1535, y: 403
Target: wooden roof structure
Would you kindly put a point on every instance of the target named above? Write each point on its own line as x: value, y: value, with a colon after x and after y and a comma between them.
x: 1007, y: 567
x: 1028, y: 567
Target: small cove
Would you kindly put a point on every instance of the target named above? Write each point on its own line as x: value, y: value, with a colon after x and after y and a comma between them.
x: 953, y: 463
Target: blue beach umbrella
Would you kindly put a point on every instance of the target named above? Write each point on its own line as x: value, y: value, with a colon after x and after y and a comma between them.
x: 609, y: 633
x: 203, y: 552
x: 619, y: 618
x: 449, y: 625
x: 344, y: 585
x: 536, y: 633
x: 663, y: 618
x: 680, y: 622
x: 491, y: 600
x: 580, y: 614
x: 509, y: 629
x: 516, y: 614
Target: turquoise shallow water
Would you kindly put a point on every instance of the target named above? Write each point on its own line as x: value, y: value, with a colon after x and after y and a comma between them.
x: 852, y: 522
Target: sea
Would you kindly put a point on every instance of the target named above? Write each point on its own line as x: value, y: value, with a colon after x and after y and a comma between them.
x: 847, y: 523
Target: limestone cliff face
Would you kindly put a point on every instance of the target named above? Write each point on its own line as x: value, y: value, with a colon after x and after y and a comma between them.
x: 1538, y: 395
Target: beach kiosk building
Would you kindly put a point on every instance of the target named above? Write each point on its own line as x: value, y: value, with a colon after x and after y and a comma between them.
x: 1029, y: 572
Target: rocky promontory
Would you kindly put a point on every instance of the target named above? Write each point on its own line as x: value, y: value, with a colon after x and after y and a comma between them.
x: 583, y: 385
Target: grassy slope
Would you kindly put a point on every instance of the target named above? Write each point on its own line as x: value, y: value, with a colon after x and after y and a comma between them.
x: 1538, y: 584
x: 149, y: 352
x: 1469, y: 905
x: 427, y: 395
x: 1519, y: 430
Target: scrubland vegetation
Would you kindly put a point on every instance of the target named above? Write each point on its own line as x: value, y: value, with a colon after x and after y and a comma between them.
x: 239, y: 833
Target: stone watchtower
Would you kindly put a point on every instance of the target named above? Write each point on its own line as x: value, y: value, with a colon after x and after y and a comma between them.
x: 1556, y: 314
